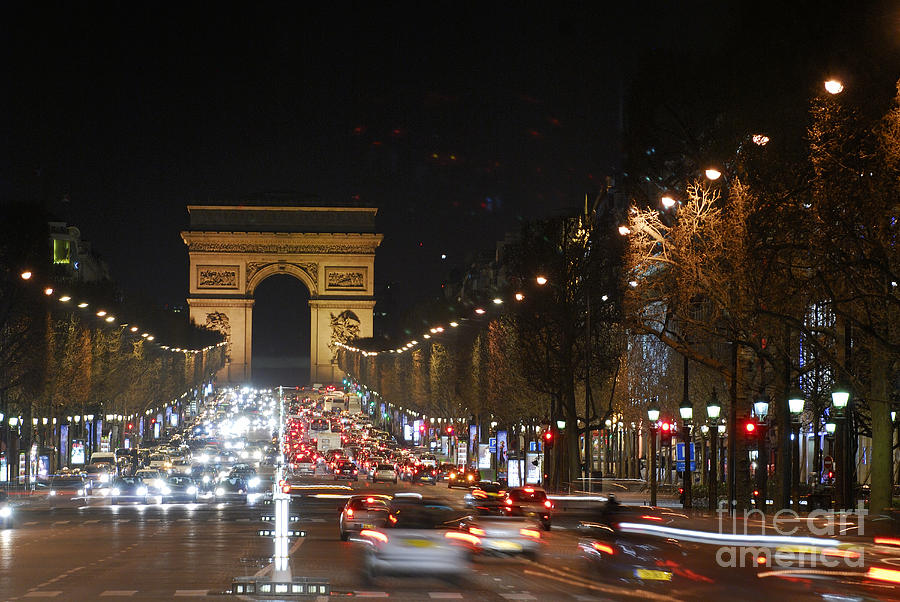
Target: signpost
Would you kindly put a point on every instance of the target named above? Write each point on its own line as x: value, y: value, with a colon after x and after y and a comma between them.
x: 680, y: 460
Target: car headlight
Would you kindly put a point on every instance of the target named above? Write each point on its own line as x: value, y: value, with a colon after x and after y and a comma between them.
x: 142, y: 490
x: 192, y: 490
x: 5, y: 512
x: 81, y: 492
x: 165, y: 490
x: 104, y: 478
x: 115, y: 491
x: 243, y: 455
x: 220, y: 491
x: 203, y: 459
x: 257, y: 455
x: 254, y: 482
x: 52, y: 492
x: 206, y: 478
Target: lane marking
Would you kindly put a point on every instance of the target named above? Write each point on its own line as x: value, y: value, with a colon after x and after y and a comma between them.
x: 371, y: 594
x: 89, y: 522
x: 62, y: 522
x: 191, y: 592
x: 47, y: 594
x: 445, y: 595
x: 118, y: 592
x: 31, y: 522
x: 523, y: 596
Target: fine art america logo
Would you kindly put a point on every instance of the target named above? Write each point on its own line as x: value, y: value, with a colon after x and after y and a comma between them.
x: 789, y: 540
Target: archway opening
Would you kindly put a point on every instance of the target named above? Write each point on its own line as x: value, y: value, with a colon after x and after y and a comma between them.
x: 281, y: 332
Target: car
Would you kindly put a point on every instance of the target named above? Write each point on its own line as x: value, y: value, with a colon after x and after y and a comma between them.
x: 231, y: 489
x: 424, y: 474
x: 531, y: 502
x: 179, y: 488
x: 464, y: 477
x: 6, y: 511
x: 487, y: 497
x: 67, y: 490
x: 160, y: 462
x: 384, y: 472
x: 101, y: 473
x: 363, y: 512
x: 346, y: 470
x: 414, y: 542
x: 504, y: 535
x: 129, y: 489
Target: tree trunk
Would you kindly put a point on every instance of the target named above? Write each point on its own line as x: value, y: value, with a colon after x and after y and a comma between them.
x: 570, y: 468
x: 740, y: 405
x: 882, y: 433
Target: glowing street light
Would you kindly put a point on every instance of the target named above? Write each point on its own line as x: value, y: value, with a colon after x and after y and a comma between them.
x: 48, y: 291
x: 713, y: 174
x: 65, y: 299
x: 26, y: 275
x: 668, y: 202
x: 760, y: 139
x: 82, y: 305
x: 541, y: 280
x: 834, y: 86
x: 479, y: 311
x: 624, y: 230
x: 498, y: 301
x: 452, y: 324
x: 520, y: 297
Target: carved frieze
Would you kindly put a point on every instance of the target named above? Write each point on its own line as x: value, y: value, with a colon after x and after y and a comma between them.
x: 345, y: 278
x: 296, y: 249
x: 217, y: 276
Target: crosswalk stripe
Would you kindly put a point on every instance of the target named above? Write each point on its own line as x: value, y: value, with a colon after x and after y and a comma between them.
x: 522, y: 596
x: 62, y: 522
x: 118, y: 592
x: 31, y: 522
x: 191, y: 592
x: 445, y: 595
x: 44, y: 594
x: 371, y: 594
x: 89, y: 522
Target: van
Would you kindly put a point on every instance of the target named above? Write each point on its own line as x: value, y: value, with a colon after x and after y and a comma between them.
x: 103, y: 458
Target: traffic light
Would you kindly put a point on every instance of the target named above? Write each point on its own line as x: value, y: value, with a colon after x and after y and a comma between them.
x: 748, y: 429
x: 449, y: 430
x: 129, y: 427
x: 548, y: 439
x: 665, y: 433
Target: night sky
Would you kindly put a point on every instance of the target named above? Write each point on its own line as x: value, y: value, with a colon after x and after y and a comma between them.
x: 456, y: 122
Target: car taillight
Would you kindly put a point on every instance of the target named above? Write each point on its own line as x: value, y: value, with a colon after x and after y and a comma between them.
x: 547, y: 504
x: 477, y: 531
x: 377, y: 535
x: 530, y: 533
x: 466, y: 537
x: 350, y: 512
x: 452, y: 475
x: 508, y: 502
x: 602, y: 547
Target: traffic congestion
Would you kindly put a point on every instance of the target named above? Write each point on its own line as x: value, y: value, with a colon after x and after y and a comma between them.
x: 403, y: 520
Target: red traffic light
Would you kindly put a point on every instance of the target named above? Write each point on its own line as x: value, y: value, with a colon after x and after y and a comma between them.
x: 129, y: 426
x: 750, y: 428
x: 449, y: 430
x: 665, y: 426
x: 548, y: 436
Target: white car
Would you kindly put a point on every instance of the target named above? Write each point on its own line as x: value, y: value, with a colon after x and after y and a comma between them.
x: 384, y: 472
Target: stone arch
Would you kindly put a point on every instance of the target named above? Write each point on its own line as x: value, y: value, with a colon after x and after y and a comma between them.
x: 307, y: 273
x: 331, y: 250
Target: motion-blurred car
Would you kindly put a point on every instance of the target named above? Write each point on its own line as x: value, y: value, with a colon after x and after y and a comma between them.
x: 231, y: 489
x: 414, y: 544
x: 128, y: 489
x: 463, y: 477
x: 304, y: 466
x: 67, y: 490
x: 180, y: 488
x: 6, y: 511
x: 486, y: 498
x: 363, y: 512
x: 531, y: 502
x: 384, y: 472
x: 504, y: 535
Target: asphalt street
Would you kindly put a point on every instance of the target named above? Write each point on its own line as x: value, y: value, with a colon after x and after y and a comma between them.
x: 94, y: 551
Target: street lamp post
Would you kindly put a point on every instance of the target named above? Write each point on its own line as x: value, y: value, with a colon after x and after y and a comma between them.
x: 840, y: 397
x: 653, y: 416
x: 686, y: 409
x: 761, y: 408
x: 795, y: 405
x: 713, y: 409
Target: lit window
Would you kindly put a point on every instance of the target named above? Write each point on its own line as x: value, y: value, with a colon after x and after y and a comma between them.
x: 61, y: 251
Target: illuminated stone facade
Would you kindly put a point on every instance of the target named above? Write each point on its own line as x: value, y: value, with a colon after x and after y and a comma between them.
x: 331, y: 250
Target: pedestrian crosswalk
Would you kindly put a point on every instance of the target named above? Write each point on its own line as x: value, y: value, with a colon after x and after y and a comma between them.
x: 200, y: 593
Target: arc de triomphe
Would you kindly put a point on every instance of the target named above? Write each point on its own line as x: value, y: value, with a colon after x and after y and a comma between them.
x: 331, y: 250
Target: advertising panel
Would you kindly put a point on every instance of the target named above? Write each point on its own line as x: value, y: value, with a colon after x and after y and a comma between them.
x: 473, y: 443
x: 77, y: 451
x: 484, y: 456
x: 515, y: 472
x: 535, y: 465
x: 502, y: 450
